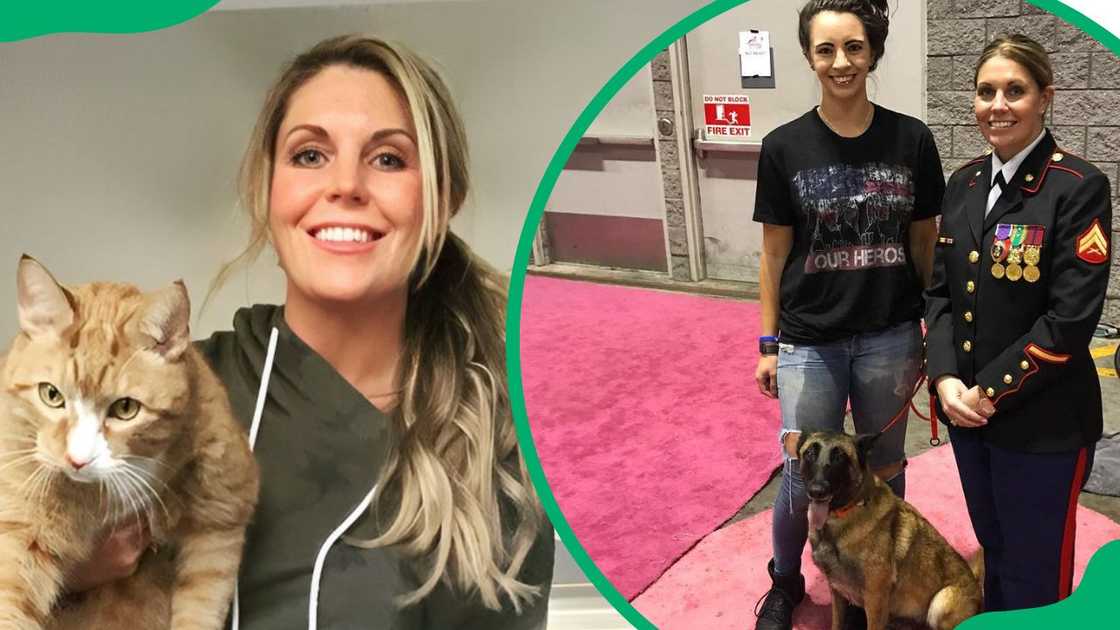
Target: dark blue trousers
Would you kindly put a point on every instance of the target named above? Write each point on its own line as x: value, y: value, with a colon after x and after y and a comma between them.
x: 1022, y: 507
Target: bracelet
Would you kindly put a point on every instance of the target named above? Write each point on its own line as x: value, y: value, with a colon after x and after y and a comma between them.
x: 768, y: 338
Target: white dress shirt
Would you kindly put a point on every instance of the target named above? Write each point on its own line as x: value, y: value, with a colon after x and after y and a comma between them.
x: 1008, y: 168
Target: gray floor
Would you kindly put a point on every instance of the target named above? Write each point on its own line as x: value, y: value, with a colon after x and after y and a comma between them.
x: 918, y: 434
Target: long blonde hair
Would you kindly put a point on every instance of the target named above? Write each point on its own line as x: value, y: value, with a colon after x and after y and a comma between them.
x: 456, y: 468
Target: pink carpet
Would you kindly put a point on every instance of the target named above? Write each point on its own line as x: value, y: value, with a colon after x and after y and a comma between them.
x: 646, y: 417
x: 717, y: 584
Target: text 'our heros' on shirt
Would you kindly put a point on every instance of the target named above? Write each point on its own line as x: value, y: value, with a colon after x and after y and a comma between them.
x: 857, y: 216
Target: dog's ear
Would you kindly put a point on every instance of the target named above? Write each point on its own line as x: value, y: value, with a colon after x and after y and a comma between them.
x: 864, y: 443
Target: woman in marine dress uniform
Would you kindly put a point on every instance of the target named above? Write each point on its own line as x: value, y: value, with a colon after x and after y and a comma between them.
x: 1020, y: 272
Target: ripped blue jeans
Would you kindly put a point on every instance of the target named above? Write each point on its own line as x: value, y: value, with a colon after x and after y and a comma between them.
x: 876, y: 372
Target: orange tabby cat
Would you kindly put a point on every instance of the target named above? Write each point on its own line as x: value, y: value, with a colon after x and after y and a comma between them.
x: 108, y: 415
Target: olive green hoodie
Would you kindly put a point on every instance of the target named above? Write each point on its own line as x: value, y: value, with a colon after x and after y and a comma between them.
x: 320, y: 445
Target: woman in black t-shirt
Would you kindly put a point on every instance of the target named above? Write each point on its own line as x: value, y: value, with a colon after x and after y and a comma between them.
x: 848, y: 194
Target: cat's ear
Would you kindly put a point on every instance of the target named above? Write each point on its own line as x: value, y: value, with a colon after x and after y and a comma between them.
x: 45, y: 307
x: 166, y: 320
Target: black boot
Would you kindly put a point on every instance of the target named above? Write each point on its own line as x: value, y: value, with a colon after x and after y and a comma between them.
x: 775, y: 609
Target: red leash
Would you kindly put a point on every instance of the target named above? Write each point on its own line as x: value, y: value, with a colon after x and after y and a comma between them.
x: 934, y: 440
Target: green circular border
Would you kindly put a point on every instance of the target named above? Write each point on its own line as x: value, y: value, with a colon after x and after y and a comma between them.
x: 1073, y: 609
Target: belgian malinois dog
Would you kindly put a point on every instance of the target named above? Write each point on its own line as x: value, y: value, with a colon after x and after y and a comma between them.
x: 876, y: 550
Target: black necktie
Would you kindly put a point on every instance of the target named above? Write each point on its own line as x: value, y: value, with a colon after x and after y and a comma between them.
x: 1000, y: 181
x: 1002, y: 187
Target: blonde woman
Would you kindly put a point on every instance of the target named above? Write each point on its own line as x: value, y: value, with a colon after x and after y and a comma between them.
x: 1027, y: 227
x: 393, y: 491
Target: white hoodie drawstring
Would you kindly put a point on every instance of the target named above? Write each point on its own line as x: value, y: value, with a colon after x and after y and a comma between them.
x: 317, y: 574
x: 262, y: 393
x: 321, y: 557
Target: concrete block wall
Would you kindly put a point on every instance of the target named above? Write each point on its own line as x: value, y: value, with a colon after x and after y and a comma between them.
x: 1085, y: 117
x: 670, y: 162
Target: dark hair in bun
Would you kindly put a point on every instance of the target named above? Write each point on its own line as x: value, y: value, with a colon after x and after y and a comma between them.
x: 871, y: 13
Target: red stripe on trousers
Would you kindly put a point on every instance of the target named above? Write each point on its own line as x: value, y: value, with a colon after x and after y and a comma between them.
x: 1065, y: 583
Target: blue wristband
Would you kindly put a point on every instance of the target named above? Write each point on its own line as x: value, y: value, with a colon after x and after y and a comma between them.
x: 770, y: 338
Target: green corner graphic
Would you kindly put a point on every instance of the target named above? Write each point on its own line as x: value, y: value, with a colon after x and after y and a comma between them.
x: 22, y: 20
x: 1091, y: 605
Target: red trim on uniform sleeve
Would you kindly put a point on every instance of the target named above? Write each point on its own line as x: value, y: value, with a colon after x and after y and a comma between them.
x: 1029, y: 373
x: 1065, y: 580
x: 1033, y: 352
x: 1045, y: 355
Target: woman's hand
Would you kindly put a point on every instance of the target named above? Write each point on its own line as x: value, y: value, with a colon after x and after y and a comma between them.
x: 978, y: 402
x: 766, y: 375
x: 965, y: 407
x: 115, y: 558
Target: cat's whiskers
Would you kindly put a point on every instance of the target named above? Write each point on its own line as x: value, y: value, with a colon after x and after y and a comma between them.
x: 26, y: 485
x: 139, y: 504
x: 126, y: 491
x: 116, y: 499
x: 51, y: 477
x: 151, y: 480
x: 151, y: 460
x: 40, y: 483
x: 19, y: 458
x: 132, y: 509
x: 102, y: 506
x: 18, y: 451
x: 135, y: 473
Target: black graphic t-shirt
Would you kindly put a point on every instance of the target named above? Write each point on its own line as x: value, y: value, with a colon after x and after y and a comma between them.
x: 850, y: 202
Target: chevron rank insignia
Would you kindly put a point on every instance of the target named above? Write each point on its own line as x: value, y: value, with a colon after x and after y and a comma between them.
x: 1092, y: 245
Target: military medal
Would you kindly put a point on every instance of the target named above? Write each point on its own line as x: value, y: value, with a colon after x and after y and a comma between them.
x: 999, y: 250
x: 1015, y: 253
x: 1033, y: 252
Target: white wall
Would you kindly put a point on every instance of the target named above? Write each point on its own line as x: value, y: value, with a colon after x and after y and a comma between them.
x: 630, y: 110
x: 120, y: 152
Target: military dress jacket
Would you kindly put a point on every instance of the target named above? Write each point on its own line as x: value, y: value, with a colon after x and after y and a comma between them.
x: 1016, y: 296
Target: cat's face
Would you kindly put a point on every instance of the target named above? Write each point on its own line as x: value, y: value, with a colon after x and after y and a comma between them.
x: 96, y: 378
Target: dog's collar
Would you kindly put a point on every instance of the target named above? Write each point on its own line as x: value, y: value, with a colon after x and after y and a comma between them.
x: 841, y: 512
